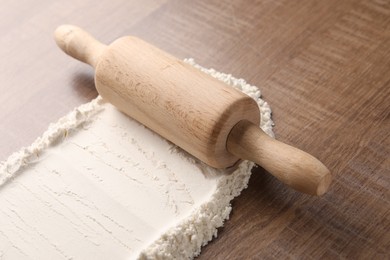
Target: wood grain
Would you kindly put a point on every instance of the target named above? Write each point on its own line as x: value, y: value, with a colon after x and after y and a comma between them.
x: 213, y: 122
x: 184, y: 105
x: 322, y: 65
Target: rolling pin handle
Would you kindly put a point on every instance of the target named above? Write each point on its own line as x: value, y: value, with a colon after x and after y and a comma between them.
x: 290, y: 165
x: 79, y: 44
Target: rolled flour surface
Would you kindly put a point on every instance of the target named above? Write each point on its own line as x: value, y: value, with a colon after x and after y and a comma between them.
x: 99, y: 185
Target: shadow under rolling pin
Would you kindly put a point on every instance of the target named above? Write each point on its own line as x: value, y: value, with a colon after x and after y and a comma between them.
x: 212, y: 121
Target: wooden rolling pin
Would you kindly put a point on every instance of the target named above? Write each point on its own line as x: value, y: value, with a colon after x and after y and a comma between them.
x: 212, y: 121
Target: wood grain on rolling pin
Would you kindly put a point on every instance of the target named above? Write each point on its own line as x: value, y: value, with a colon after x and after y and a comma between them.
x: 186, y: 106
x: 189, y: 108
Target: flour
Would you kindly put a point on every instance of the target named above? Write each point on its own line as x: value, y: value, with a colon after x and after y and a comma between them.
x: 99, y: 185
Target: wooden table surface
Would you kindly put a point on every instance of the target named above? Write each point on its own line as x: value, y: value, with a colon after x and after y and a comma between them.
x: 323, y: 66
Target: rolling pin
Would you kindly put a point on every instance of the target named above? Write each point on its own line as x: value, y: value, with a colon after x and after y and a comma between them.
x: 215, y: 123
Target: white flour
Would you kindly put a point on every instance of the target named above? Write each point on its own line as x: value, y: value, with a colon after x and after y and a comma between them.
x: 98, y: 185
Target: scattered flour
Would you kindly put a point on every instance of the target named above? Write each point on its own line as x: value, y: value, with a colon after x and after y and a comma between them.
x: 99, y: 185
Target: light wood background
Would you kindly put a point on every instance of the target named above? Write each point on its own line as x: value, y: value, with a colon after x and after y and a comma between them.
x: 324, y: 67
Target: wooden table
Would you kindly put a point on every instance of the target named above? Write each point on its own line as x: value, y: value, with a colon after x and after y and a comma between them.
x: 323, y: 66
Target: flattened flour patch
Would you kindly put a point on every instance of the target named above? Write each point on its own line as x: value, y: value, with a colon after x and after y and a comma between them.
x: 98, y: 185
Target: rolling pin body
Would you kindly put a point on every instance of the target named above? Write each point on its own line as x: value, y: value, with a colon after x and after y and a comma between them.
x: 176, y: 100
x: 213, y: 122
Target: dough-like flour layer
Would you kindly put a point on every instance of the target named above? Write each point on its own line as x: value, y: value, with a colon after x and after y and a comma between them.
x: 99, y: 185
